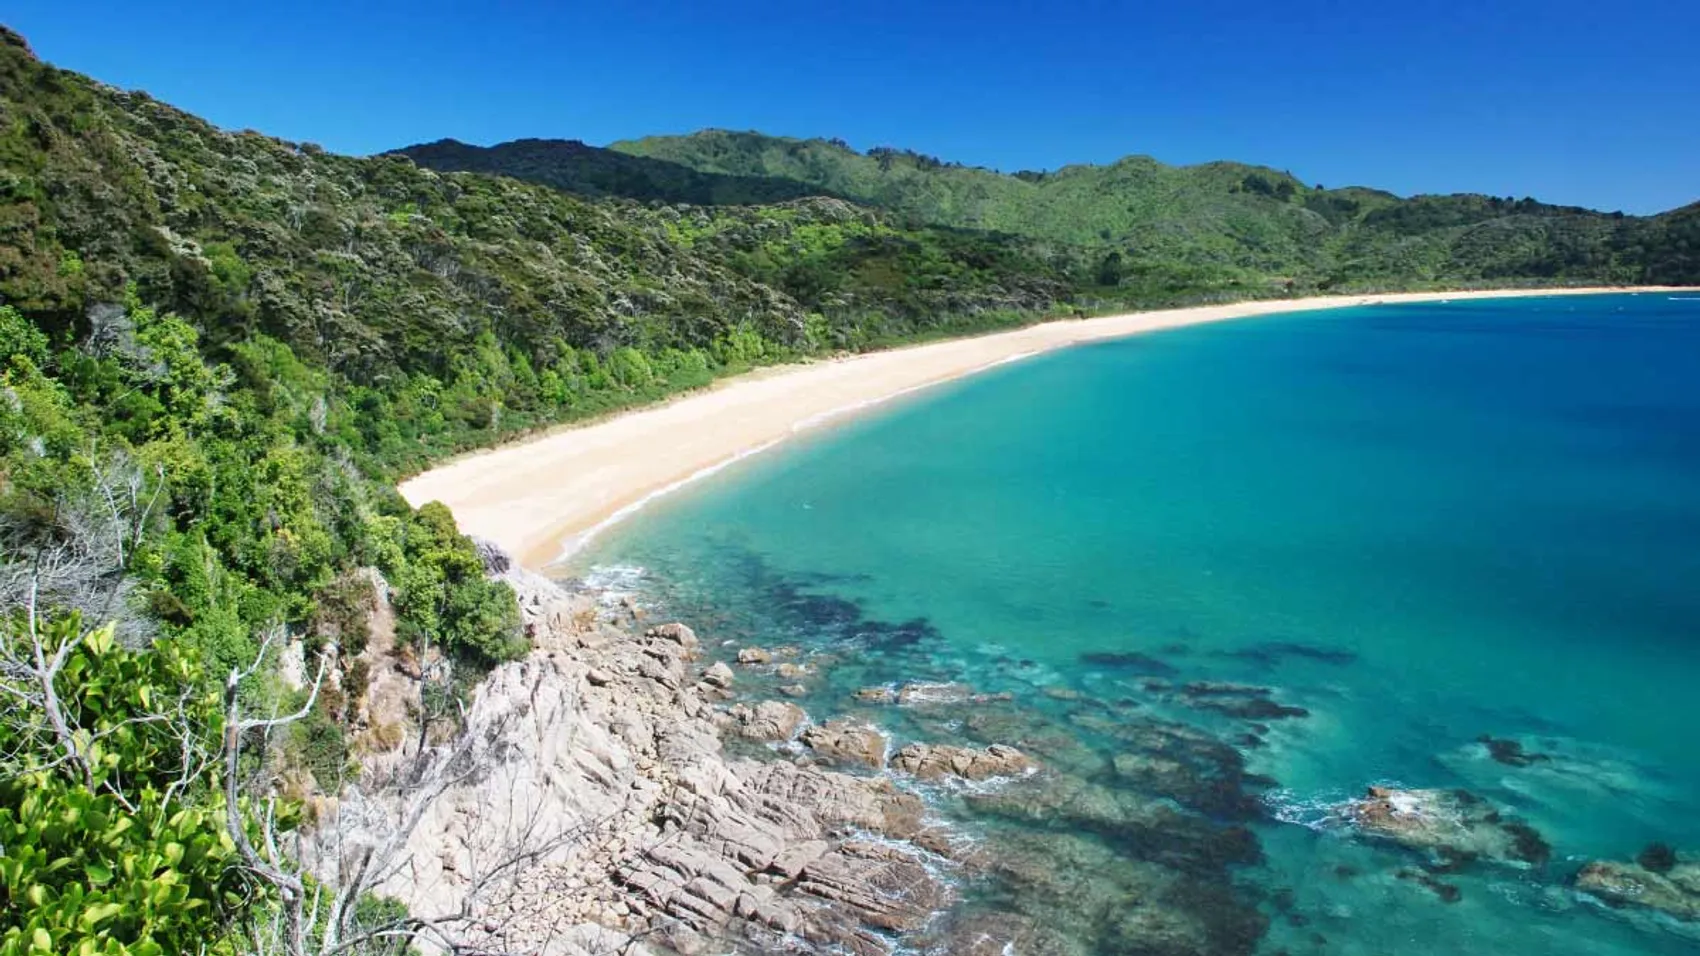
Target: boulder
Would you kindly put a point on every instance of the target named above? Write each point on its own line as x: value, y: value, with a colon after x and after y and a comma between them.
x: 718, y: 675
x: 929, y: 762
x: 754, y: 655
x: 841, y: 741
x: 678, y: 634
x: 770, y: 720
x: 876, y: 695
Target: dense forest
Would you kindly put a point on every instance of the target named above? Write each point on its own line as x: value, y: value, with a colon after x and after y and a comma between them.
x: 218, y: 350
x: 1136, y: 229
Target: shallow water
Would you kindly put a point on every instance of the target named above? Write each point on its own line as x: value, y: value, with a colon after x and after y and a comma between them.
x: 1420, y: 523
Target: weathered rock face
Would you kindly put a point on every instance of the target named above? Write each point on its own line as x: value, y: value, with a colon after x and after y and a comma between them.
x: 929, y: 762
x: 597, y: 760
x: 769, y: 720
x: 1675, y: 892
x: 843, y: 742
x: 1454, y: 825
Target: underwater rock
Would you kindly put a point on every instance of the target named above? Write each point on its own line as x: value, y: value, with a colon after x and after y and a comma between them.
x: 1184, y: 764
x: 1447, y: 892
x: 1131, y: 661
x: 1242, y: 701
x: 1674, y: 892
x: 1081, y: 895
x: 1455, y: 825
x: 1147, y: 827
x: 1271, y: 653
x: 1510, y: 752
x: 930, y: 762
x: 876, y: 695
x: 1657, y: 857
x: 916, y: 694
x: 841, y: 741
x: 790, y: 671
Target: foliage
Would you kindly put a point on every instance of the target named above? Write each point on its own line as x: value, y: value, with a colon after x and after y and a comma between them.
x: 446, y: 599
x: 129, y: 857
x: 1230, y: 218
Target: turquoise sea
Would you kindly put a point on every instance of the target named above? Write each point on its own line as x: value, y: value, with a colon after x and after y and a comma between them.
x: 1421, y: 524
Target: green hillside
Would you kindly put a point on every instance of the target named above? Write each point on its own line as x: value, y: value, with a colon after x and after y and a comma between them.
x: 1222, y: 218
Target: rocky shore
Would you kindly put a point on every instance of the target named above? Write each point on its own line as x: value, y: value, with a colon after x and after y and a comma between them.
x: 628, y: 788
x: 620, y: 790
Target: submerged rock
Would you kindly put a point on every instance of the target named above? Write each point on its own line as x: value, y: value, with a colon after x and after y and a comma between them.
x: 1078, y: 894
x: 1447, y: 892
x: 1675, y: 892
x: 1455, y: 825
x: 1241, y: 701
x: 1510, y: 752
x: 930, y: 762
x: 1132, y: 662
x: 841, y: 741
x: 754, y: 655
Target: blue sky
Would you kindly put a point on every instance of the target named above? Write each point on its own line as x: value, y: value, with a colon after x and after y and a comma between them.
x: 1591, y: 103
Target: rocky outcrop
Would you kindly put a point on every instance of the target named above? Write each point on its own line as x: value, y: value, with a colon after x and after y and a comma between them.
x: 1675, y: 892
x: 594, y: 769
x: 844, y: 742
x: 770, y: 720
x: 1455, y: 826
x: 927, y: 762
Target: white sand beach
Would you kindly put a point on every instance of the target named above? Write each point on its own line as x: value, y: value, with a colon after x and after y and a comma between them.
x: 542, y: 497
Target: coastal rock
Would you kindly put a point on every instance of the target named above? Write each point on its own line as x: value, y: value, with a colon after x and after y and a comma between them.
x: 679, y: 634
x: 844, y: 742
x: 754, y: 655
x: 1674, y: 892
x: 934, y: 762
x: 790, y: 671
x: 598, y: 767
x: 770, y: 720
x: 718, y: 675
x: 1455, y: 826
x: 876, y: 695
x: 924, y: 694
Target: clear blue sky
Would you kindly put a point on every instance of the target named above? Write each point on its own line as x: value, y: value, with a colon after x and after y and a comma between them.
x: 1592, y: 102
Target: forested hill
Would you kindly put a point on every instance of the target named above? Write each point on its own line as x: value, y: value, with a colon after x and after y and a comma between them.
x: 1199, y: 224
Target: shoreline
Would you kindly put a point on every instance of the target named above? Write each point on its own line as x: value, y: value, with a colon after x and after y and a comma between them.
x: 544, y: 497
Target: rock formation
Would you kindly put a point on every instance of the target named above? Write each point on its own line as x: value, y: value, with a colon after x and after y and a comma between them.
x: 1674, y: 892
x: 1455, y: 826
x: 589, y: 800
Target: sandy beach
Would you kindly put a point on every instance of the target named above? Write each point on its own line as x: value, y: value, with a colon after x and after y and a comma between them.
x: 545, y: 496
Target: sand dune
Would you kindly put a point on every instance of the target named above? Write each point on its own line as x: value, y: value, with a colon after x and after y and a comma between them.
x: 543, y: 497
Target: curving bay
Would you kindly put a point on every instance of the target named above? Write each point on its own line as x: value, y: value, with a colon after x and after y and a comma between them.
x: 1241, y: 574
